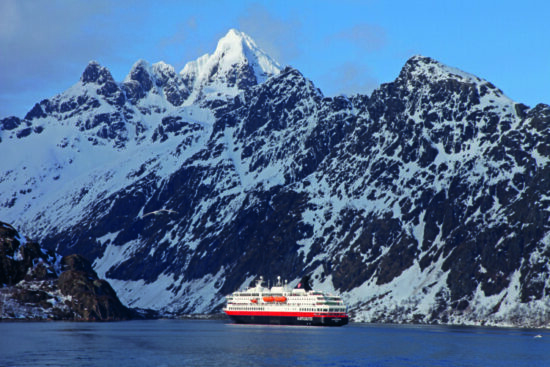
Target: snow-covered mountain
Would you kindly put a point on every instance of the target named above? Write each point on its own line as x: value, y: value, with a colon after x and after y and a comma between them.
x: 236, y: 64
x: 428, y: 201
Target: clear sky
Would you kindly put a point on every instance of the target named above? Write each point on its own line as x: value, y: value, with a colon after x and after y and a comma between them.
x: 343, y: 46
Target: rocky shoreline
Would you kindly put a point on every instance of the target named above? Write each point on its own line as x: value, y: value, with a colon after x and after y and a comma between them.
x: 36, y: 284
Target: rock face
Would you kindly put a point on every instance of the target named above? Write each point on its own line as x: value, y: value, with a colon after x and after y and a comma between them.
x: 424, y: 202
x: 92, y: 298
x: 39, y: 284
x: 20, y: 260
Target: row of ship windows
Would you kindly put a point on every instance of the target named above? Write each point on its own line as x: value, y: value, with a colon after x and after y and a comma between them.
x: 330, y: 309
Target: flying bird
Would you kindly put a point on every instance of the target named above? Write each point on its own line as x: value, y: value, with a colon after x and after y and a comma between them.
x: 158, y: 212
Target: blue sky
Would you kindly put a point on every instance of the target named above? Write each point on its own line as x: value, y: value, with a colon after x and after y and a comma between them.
x: 342, y: 46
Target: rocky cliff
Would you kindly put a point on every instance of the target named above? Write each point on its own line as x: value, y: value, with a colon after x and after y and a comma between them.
x: 40, y: 284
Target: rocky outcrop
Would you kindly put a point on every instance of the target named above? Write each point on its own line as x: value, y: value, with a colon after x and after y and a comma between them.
x: 22, y: 260
x: 39, y: 284
x: 92, y: 298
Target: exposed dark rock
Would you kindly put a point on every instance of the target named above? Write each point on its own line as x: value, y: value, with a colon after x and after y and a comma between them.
x: 95, y: 73
x: 10, y: 123
x: 19, y: 260
x: 174, y: 88
x: 24, y: 132
x: 139, y: 83
x: 78, y: 263
x: 174, y: 125
x: 35, y: 112
x: 92, y: 299
x: 31, y: 278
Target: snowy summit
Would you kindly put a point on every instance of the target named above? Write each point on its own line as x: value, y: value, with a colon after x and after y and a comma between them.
x: 236, y: 63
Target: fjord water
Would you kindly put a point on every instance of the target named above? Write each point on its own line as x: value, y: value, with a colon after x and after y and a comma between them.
x: 220, y: 343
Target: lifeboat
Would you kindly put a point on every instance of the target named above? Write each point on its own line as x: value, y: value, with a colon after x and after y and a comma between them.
x: 280, y: 299
x: 254, y: 300
x: 268, y: 299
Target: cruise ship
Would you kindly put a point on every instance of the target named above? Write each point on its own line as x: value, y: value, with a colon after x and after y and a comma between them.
x: 281, y: 305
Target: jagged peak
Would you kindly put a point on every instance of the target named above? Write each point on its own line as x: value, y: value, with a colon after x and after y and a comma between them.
x: 95, y: 73
x: 236, y: 45
x: 141, y: 73
x: 141, y: 66
x: 163, y: 71
x: 236, y: 56
x: 429, y: 69
x: 292, y: 76
x: 423, y: 71
x: 234, y: 41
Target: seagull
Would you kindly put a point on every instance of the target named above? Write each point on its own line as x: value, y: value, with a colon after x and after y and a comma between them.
x: 158, y: 212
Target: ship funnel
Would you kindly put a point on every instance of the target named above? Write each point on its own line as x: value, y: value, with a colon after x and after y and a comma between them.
x: 304, y: 283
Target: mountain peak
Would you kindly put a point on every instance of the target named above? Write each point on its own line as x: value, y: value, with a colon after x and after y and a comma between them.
x: 236, y: 46
x: 422, y: 72
x: 233, y: 37
x: 163, y: 71
x: 95, y: 73
x: 431, y: 70
x: 139, y: 79
x: 140, y: 64
x: 139, y: 70
x: 237, y: 63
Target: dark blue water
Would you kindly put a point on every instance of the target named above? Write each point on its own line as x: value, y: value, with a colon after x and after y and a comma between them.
x: 219, y: 343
